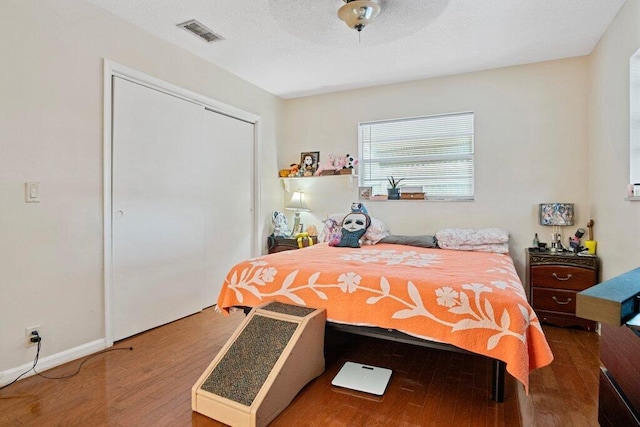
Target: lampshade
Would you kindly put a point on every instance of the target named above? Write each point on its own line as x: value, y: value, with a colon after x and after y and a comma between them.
x: 556, y: 214
x: 357, y: 14
x: 297, y: 202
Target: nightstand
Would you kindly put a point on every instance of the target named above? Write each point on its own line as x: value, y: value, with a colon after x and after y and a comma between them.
x: 552, y: 282
x: 287, y: 244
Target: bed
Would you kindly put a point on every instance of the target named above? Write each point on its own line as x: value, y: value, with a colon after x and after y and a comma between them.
x: 465, y: 301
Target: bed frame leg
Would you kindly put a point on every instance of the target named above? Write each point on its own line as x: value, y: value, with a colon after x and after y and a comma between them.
x: 497, y: 386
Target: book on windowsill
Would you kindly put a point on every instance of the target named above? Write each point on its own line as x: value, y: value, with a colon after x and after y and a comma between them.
x: 379, y: 197
x: 411, y: 196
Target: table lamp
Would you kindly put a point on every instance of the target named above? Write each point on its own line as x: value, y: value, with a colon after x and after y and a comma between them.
x: 297, y: 204
x: 556, y: 215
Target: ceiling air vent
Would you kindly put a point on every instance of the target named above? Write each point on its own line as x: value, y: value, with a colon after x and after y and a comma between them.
x: 196, y: 28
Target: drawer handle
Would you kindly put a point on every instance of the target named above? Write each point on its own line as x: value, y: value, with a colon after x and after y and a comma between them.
x: 561, y: 302
x: 561, y: 278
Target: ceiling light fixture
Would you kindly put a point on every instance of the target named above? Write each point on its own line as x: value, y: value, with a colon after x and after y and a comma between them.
x: 357, y: 14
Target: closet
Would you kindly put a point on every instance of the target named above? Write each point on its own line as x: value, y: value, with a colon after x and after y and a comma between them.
x: 181, y: 207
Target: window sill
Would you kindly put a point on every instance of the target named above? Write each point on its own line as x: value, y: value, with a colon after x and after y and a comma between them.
x: 422, y: 200
x: 632, y: 199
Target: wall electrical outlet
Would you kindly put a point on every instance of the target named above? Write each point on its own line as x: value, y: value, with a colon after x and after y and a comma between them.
x: 27, y: 333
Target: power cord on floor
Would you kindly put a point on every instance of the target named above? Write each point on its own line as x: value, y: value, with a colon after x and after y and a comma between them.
x: 38, y: 339
x: 35, y: 362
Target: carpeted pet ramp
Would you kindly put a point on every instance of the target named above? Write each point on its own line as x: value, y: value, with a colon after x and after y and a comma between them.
x: 272, y: 355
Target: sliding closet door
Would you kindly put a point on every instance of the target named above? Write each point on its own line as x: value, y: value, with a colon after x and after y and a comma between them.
x: 228, y: 148
x: 158, y: 218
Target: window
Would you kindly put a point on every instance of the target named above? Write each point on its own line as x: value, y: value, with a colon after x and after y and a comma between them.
x: 434, y: 153
x: 634, y: 88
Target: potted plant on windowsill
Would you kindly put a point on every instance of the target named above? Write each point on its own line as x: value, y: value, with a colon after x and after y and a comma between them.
x: 393, y: 191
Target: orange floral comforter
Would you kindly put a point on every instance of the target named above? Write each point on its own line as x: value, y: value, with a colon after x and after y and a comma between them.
x: 473, y: 300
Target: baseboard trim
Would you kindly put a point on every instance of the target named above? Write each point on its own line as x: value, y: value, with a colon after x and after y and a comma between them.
x: 53, y: 360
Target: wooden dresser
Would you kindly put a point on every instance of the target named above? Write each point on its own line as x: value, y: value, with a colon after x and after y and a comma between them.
x: 552, y: 281
x: 616, y: 304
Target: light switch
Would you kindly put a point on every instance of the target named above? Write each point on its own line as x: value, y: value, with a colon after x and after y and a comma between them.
x: 32, y: 192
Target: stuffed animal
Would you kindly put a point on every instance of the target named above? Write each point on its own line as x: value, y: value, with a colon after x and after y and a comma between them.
x: 341, y: 162
x: 329, y: 165
x: 334, y: 232
x: 351, y: 162
x: 354, y: 226
x: 295, y: 169
x: 280, y: 225
x: 312, y: 230
x: 358, y: 207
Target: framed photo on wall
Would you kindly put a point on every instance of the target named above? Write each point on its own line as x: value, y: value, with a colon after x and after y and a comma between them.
x: 309, y: 162
x: 364, y: 193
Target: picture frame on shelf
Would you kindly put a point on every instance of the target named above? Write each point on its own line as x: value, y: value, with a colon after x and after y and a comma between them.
x: 309, y: 162
x: 297, y: 229
x: 364, y: 193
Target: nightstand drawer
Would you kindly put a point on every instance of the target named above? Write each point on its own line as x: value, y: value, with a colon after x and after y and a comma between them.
x: 288, y: 244
x: 562, y: 277
x: 554, y: 300
x: 282, y: 247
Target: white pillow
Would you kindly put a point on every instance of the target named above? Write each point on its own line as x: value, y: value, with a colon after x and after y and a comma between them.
x: 470, y: 239
x: 501, y: 248
x: 376, y: 231
x: 471, y: 236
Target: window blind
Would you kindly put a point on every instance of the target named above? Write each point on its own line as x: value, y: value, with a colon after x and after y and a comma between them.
x: 434, y: 153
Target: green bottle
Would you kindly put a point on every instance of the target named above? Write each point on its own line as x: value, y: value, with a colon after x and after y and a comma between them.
x: 535, y: 241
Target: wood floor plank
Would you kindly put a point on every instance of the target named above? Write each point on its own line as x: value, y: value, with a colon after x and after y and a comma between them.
x: 151, y: 385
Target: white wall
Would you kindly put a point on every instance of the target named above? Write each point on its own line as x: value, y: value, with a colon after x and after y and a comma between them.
x: 531, y: 142
x: 617, y: 222
x: 51, y: 131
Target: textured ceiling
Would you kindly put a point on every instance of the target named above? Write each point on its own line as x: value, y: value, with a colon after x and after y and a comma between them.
x: 294, y: 48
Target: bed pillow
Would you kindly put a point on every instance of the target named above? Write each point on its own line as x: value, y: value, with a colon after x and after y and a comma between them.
x: 376, y: 231
x: 500, y: 248
x: 420, y: 241
x: 469, y: 239
x: 354, y: 227
x: 472, y: 236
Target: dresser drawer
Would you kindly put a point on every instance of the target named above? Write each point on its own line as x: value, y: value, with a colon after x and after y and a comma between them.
x: 613, y: 410
x: 619, y: 350
x: 562, y: 277
x: 554, y: 300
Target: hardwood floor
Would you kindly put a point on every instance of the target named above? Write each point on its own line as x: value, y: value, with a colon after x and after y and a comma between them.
x: 151, y: 385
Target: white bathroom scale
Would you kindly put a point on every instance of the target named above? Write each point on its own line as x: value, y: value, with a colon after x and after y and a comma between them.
x: 366, y: 378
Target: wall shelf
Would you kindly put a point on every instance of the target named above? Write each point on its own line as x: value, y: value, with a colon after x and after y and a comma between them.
x: 286, y: 181
x: 413, y: 201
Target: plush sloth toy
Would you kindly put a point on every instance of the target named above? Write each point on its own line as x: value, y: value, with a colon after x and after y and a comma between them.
x: 354, y: 225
